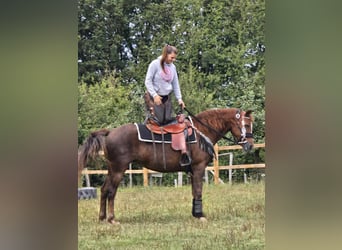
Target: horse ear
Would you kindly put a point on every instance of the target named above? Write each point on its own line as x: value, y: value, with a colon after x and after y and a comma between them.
x: 248, y: 113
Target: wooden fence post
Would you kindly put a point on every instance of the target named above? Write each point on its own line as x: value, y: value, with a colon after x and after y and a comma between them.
x: 145, y: 174
x: 180, y: 179
x: 216, y: 166
x: 87, y: 178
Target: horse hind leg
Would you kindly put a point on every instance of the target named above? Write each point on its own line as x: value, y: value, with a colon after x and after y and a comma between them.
x: 115, y: 179
x: 103, y: 200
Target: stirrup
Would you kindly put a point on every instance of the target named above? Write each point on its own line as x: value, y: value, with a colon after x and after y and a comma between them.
x: 185, y: 160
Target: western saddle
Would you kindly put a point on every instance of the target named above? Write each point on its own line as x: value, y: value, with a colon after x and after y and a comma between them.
x: 179, y: 129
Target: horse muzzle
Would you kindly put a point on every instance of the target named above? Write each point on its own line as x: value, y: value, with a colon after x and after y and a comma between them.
x: 246, y: 145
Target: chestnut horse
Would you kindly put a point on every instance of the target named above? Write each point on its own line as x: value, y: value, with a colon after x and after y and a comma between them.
x: 121, y: 146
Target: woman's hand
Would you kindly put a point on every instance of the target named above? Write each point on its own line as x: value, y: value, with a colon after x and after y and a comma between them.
x: 157, y: 100
x: 181, y: 103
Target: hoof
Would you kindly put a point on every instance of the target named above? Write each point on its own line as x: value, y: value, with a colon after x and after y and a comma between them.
x: 113, y: 222
x: 203, y: 219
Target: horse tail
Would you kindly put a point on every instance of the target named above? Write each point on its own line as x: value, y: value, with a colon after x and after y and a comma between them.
x: 91, y: 148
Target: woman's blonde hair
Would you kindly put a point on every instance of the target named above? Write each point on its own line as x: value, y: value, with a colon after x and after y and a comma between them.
x: 168, y: 49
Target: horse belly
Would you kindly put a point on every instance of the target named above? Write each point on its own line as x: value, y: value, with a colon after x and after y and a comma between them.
x: 158, y: 159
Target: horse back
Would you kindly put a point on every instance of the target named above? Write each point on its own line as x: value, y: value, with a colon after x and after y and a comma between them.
x: 122, y: 134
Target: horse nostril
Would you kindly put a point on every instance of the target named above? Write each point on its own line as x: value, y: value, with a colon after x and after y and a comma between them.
x: 248, y: 147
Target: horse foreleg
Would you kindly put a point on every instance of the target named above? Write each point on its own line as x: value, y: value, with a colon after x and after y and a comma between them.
x: 103, y: 200
x: 115, y: 179
x: 197, y: 186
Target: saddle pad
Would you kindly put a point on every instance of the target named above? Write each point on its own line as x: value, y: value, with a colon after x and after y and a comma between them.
x: 145, y: 135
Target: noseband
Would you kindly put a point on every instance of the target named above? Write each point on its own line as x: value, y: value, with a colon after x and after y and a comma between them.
x: 242, y: 127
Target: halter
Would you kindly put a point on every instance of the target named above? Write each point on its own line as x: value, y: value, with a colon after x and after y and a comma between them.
x: 242, y: 126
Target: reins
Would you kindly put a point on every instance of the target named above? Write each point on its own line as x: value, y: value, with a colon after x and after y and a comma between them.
x: 209, y: 127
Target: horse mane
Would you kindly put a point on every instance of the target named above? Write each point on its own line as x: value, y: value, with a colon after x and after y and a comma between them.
x: 216, y: 118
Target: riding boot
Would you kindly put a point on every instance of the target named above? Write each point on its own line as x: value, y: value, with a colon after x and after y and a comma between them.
x: 185, y: 160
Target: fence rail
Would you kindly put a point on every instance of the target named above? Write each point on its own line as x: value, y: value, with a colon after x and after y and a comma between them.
x: 215, y: 168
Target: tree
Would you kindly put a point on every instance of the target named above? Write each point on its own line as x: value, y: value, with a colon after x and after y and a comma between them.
x: 103, y: 105
x: 101, y: 39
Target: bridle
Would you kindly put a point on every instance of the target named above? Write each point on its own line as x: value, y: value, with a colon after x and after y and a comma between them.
x: 244, y: 134
x: 242, y: 126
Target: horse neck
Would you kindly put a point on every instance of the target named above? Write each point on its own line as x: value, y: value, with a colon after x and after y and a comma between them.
x: 218, y: 119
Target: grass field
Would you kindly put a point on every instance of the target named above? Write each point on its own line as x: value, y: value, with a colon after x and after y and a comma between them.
x: 160, y: 218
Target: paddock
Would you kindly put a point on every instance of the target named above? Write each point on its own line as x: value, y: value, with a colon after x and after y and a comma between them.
x: 158, y: 217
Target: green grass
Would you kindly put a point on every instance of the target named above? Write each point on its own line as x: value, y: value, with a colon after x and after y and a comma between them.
x: 160, y: 218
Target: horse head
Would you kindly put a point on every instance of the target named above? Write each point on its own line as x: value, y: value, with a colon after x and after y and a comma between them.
x: 242, y: 129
